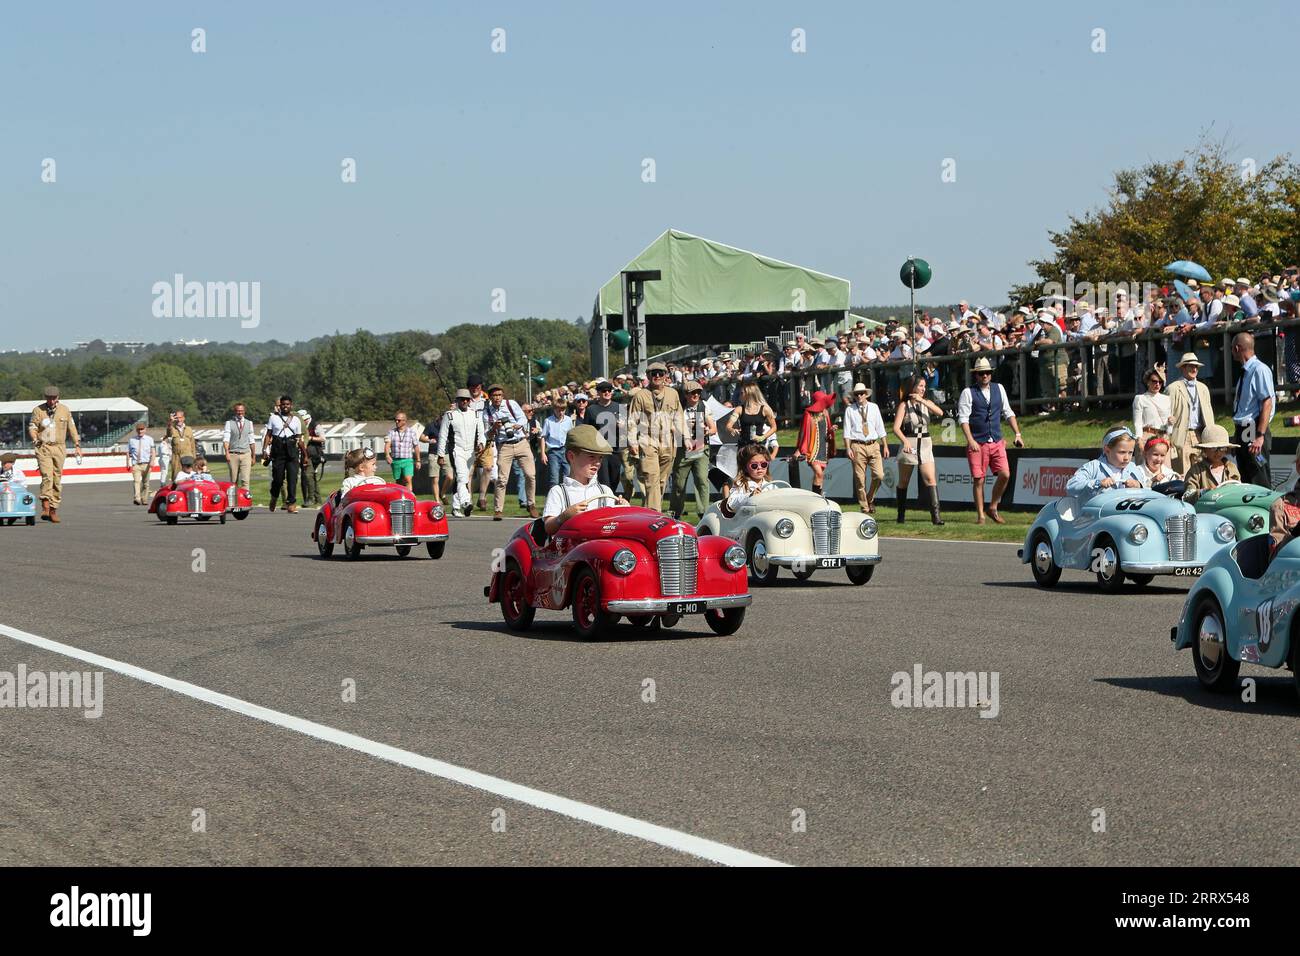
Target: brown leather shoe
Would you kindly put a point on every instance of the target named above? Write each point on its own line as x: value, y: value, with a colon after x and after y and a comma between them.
x: 292, y: 509
x: 997, y: 518
x: 45, y: 509
x: 271, y: 507
x: 532, y: 512
x: 54, y: 515
x: 496, y: 516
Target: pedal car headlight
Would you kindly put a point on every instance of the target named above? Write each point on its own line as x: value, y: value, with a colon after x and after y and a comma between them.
x: 1224, y: 532
x: 367, y: 513
x: 1138, y: 533
x: 867, y: 530
x: 173, y: 496
x: 436, y: 513
x: 784, y: 528
x: 218, y: 498
x: 27, y: 499
x: 734, y: 559
x: 623, y: 561
x: 1256, y: 523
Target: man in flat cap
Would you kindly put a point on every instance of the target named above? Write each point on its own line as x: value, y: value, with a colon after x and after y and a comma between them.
x: 51, y: 424
x: 656, y: 425
x: 691, y: 460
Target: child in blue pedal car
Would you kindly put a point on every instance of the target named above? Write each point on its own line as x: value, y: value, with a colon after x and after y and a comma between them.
x: 1113, y: 468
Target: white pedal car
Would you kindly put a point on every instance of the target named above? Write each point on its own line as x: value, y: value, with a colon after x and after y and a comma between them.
x: 786, y: 527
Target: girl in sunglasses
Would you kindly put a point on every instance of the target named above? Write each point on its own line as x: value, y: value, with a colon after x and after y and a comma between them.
x: 751, y: 478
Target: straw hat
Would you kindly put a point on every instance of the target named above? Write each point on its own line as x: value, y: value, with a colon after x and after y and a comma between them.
x: 1215, y: 436
x: 1189, y: 358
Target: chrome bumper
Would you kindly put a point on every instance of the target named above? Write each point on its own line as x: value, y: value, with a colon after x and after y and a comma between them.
x: 400, y: 538
x: 660, y: 605
x: 1161, y: 567
x: 807, y: 560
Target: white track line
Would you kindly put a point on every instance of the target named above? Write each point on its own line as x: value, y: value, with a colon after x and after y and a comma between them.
x: 617, y: 822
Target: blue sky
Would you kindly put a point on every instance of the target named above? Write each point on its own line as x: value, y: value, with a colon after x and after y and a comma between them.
x: 522, y: 170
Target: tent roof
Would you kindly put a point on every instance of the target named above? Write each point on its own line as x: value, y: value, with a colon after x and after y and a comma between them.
x: 704, y: 277
x: 25, y: 406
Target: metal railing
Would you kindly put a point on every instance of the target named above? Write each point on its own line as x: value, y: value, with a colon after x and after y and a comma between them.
x: 1082, y: 375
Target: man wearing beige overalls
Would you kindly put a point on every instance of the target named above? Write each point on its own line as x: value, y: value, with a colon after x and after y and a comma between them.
x: 181, y: 438
x: 48, y: 429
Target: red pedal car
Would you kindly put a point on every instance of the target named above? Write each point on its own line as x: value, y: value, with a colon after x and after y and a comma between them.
x: 200, y: 500
x: 608, y: 563
x: 380, y: 516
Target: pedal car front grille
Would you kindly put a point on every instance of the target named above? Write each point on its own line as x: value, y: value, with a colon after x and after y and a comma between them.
x: 1180, y: 533
x: 8, y: 499
x: 826, y: 532
x: 402, y: 514
x: 678, y: 556
x: 194, y: 499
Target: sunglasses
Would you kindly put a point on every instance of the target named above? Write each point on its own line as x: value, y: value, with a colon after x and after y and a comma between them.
x: 983, y: 373
x: 760, y: 465
x: 657, y: 373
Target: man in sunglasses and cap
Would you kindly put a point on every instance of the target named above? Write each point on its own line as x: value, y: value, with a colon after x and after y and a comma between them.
x: 461, y: 434
x: 50, y: 425
x: 656, y: 425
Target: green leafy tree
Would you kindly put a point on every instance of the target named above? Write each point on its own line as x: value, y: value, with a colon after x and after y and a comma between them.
x: 162, y: 388
x: 1229, y: 217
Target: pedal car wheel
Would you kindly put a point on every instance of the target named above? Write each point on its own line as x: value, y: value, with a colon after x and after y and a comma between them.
x: 1215, y: 667
x: 202, y: 517
x: 350, y: 546
x: 803, y: 574
x: 223, y: 517
x: 640, y: 620
x: 1110, y: 576
x: 171, y: 519
x: 323, y: 543
x: 860, y: 573
x: 589, y: 618
x: 516, y: 611
x: 31, y: 519
x: 161, y: 515
x: 1141, y: 580
x: 726, y: 621
x: 240, y: 515
x: 1295, y: 661
x: 436, y: 548
x: 403, y: 550
x: 1046, y: 571
x: 761, y: 570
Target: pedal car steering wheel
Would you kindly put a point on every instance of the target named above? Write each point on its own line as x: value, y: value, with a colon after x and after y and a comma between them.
x: 778, y: 483
x: 613, y: 498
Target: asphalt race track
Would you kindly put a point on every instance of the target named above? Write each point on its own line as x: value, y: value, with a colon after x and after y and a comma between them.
x: 794, y: 713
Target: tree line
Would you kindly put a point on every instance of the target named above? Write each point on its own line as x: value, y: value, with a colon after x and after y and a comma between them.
x: 360, y: 375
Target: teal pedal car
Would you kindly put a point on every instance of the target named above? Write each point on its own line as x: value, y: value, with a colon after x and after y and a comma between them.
x: 1246, y: 506
x: 17, y: 503
x: 1123, y: 534
x: 1243, y: 609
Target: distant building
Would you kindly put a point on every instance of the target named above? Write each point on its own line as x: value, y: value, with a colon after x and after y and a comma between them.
x: 97, y: 344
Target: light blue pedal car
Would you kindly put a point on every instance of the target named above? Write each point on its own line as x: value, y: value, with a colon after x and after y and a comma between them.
x: 17, y: 503
x: 1243, y: 608
x: 1125, y: 533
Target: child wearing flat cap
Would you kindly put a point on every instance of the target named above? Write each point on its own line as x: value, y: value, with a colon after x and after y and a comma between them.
x: 585, y: 449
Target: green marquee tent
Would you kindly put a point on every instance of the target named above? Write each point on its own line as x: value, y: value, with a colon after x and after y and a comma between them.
x: 711, y: 292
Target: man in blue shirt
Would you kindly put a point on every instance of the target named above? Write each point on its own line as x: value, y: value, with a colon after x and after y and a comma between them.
x: 1252, y: 412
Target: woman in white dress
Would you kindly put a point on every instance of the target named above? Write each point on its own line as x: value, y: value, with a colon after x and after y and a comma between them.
x: 1152, y: 413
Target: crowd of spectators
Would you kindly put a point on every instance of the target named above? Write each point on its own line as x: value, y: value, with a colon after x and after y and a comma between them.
x: 1105, y: 348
